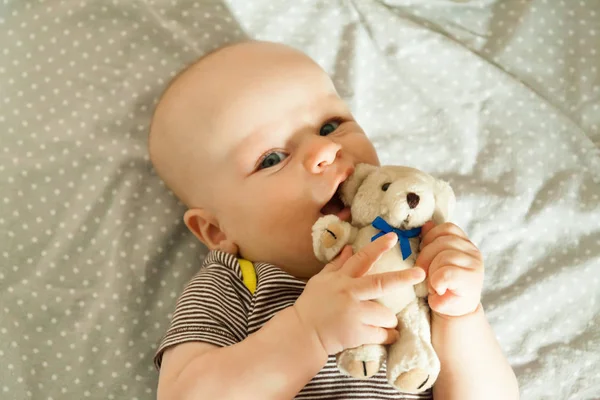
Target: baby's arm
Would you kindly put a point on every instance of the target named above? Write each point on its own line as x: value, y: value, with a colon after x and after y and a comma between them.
x: 273, y: 363
x: 279, y: 359
x: 473, y: 365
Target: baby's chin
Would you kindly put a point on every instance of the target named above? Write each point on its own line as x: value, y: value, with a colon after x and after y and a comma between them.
x: 310, y: 267
x: 296, y: 255
x: 302, y: 265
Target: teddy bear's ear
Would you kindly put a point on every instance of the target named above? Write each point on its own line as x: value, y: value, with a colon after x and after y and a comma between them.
x: 351, y: 185
x: 444, y: 202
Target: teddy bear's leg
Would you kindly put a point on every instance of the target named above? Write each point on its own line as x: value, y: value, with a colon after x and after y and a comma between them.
x: 330, y: 234
x: 413, y: 365
x: 362, y: 362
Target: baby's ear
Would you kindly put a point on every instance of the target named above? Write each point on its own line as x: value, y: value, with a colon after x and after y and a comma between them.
x: 206, y: 228
x: 444, y: 201
x: 351, y: 185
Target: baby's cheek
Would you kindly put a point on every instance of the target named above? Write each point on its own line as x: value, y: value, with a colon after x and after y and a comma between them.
x: 277, y: 221
x: 362, y: 150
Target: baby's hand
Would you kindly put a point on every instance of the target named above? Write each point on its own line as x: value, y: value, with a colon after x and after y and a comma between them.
x: 455, y: 269
x: 337, y: 302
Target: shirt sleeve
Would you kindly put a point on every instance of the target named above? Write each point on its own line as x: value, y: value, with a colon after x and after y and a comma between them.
x: 212, y: 309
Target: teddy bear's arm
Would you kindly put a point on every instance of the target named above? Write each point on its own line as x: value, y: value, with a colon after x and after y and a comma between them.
x: 330, y: 234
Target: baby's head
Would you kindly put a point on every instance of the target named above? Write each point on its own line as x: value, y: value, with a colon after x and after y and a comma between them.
x: 254, y: 140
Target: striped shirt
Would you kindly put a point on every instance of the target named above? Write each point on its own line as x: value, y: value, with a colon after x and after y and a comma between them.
x: 217, y: 308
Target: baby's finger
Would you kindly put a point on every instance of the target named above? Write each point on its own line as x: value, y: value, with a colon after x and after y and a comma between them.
x: 442, y: 243
x: 456, y: 258
x: 339, y: 261
x: 462, y: 282
x: 375, y: 314
x: 427, y: 226
x: 447, y: 304
x: 376, y: 335
x: 442, y: 230
x: 377, y: 285
x: 363, y: 260
x: 451, y: 305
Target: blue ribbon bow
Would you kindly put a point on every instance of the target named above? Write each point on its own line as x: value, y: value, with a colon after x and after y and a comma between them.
x: 403, y: 236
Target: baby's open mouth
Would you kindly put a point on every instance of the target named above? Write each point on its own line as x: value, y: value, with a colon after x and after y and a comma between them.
x: 335, y: 206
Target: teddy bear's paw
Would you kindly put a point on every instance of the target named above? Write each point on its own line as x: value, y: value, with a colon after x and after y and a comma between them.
x: 362, y: 369
x: 330, y: 235
x: 413, y: 381
x: 413, y: 366
x: 362, y: 362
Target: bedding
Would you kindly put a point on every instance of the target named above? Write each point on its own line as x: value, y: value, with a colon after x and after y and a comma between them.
x: 500, y: 98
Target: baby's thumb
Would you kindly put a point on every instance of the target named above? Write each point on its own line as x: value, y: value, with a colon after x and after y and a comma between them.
x: 429, y: 225
x: 340, y: 260
x: 375, y: 335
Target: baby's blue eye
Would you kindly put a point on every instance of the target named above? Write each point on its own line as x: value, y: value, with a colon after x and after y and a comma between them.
x: 271, y: 159
x: 328, y: 128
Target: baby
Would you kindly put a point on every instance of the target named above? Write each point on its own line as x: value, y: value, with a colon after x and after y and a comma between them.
x: 254, y: 140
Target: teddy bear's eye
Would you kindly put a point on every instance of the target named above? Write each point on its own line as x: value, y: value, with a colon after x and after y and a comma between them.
x: 385, y: 186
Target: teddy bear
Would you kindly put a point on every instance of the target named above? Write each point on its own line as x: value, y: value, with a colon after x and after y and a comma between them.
x: 383, y: 199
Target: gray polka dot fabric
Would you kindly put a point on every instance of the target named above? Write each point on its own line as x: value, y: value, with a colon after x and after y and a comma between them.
x: 501, y: 98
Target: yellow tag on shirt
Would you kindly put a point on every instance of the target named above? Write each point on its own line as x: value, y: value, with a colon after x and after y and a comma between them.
x: 248, y: 274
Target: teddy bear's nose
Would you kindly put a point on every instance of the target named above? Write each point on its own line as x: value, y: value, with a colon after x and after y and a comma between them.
x: 412, y: 199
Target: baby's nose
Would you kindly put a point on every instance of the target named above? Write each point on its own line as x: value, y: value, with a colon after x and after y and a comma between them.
x: 412, y: 199
x: 320, y: 154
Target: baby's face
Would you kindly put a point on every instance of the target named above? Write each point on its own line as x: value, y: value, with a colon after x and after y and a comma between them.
x: 280, y: 142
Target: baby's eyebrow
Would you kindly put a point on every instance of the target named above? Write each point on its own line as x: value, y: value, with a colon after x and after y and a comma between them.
x: 246, y: 152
